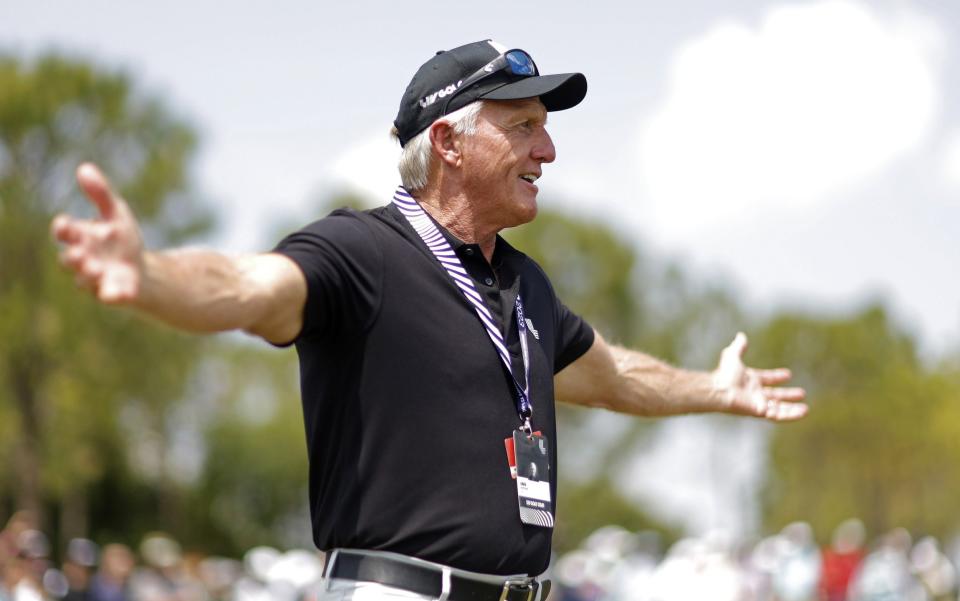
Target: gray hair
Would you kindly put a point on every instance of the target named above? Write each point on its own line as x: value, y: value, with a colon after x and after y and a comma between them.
x: 417, y: 154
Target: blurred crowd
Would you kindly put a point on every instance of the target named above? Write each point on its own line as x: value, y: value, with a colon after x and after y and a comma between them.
x: 616, y: 565
x: 611, y: 565
x: 158, y: 570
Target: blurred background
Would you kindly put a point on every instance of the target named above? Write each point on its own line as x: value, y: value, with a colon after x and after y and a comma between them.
x: 791, y: 169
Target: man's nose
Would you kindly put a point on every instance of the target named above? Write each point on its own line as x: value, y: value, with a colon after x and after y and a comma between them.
x: 544, y: 150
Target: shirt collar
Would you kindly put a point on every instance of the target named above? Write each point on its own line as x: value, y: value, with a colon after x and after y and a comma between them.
x: 502, y: 250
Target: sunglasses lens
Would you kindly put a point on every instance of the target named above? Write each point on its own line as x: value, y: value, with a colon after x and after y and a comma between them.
x: 520, y: 63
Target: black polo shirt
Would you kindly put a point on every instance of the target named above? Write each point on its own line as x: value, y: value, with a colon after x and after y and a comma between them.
x: 406, y: 403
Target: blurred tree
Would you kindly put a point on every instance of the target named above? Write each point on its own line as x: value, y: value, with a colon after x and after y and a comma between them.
x: 590, y: 267
x: 253, y: 486
x: 66, y: 364
x: 883, y: 437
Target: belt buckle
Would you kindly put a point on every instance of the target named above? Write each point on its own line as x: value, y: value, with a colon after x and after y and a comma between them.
x: 520, y: 586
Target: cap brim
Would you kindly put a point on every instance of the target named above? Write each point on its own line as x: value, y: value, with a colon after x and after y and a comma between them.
x: 556, y: 92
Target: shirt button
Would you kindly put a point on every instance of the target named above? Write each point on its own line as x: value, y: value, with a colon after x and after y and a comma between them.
x: 488, y: 281
x: 468, y: 252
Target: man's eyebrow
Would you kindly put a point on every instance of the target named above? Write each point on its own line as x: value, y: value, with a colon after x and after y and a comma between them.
x: 539, y: 117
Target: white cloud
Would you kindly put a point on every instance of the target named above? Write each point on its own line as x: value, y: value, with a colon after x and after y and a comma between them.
x: 702, y: 473
x: 951, y: 160
x: 816, y: 98
x: 369, y: 167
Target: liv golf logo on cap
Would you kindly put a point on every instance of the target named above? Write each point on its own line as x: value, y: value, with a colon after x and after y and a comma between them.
x: 442, y: 93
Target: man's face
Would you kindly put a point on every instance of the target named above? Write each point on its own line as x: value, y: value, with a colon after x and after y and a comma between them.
x: 503, y: 159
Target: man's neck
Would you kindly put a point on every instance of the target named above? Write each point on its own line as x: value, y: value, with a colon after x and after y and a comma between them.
x: 455, y: 212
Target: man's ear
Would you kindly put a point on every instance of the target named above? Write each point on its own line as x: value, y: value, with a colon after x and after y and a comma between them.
x: 445, y: 143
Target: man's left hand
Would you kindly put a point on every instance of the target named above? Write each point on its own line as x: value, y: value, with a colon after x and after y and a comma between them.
x: 747, y: 391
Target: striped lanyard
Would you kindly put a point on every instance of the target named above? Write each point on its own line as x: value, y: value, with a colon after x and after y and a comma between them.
x: 448, y: 259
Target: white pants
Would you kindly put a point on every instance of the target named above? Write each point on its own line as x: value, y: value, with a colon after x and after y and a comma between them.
x: 352, y: 590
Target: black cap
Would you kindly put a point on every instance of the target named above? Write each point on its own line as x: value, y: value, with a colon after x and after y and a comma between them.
x: 423, y: 101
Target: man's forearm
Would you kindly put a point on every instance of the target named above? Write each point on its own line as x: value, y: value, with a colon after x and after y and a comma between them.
x: 654, y: 388
x: 632, y: 382
x: 204, y: 291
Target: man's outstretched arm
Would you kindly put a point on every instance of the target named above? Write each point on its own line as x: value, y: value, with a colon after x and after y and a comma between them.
x: 628, y: 381
x: 193, y: 290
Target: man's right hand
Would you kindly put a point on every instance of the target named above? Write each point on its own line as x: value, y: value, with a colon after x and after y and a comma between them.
x: 191, y: 289
x: 105, y: 253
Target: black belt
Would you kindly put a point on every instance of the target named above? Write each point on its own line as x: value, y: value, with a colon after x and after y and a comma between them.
x: 428, y: 580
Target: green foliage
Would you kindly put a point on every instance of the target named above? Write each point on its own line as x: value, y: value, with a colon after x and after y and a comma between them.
x: 881, y: 439
x: 67, y: 365
x: 590, y: 267
x: 253, y: 489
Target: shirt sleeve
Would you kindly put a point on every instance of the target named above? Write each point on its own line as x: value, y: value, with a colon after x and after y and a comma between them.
x: 342, y: 263
x: 574, y: 337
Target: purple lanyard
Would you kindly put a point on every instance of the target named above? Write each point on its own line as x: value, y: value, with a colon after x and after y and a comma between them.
x: 448, y: 259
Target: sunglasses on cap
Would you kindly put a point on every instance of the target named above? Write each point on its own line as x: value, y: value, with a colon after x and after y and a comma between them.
x: 516, y: 62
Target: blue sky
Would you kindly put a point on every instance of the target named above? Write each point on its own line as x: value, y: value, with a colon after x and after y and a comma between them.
x: 807, y: 151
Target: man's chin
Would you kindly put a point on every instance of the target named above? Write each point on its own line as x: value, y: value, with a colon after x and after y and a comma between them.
x: 534, y: 209
x: 526, y: 212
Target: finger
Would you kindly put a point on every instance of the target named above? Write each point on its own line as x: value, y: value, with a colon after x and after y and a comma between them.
x: 63, y: 229
x: 76, y: 232
x: 114, y: 291
x: 785, y: 412
x: 738, y: 346
x: 73, y: 257
x: 102, y: 234
x: 119, y: 286
x: 785, y: 394
x: 92, y: 269
x: 773, y: 376
x: 110, y: 292
x: 96, y: 187
x: 62, y: 257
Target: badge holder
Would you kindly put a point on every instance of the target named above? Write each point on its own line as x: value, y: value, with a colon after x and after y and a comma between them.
x: 528, y: 454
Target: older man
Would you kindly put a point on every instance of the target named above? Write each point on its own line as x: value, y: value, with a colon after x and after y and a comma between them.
x: 431, y: 351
